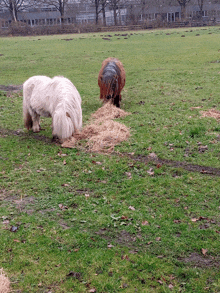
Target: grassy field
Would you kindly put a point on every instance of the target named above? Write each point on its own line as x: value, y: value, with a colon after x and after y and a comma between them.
x: 73, y: 221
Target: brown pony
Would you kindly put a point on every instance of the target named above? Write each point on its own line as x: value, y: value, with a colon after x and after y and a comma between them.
x: 111, y: 81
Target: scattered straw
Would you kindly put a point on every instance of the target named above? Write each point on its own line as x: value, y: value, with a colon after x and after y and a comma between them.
x: 194, y: 108
x: 102, y: 133
x: 4, y: 283
x: 211, y: 113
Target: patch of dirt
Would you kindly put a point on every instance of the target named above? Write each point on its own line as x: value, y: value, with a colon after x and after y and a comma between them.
x: 177, y: 164
x: 6, y: 132
x: 11, y: 88
x: 75, y: 275
x: 18, y: 201
x: 125, y: 238
x: 201, y: 261
x: 4, y: 194
x: 82, y: 191
x: 122, y: 237
x: 44, y: 139
x: 64, y: 225
x: 67, y: 39
x: 21, y: 203
x: 21, y: 133
x: 47, y: 211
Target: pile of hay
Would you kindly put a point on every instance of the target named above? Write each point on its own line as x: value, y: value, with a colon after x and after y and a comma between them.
x: 4, y: 283
x: 211, y: 113
x: 102, y: 133
x: 109, y: 111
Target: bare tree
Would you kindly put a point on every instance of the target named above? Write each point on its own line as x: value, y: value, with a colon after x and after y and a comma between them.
x: 104, y: 3
x: 114, y: 5
x: 97, y: 11
x: 15, y: 6
x: 96, y: 3
x: 183, y: 4
x: 144, y: 7
x: 59, y: 5
x: 100, y: 6
x: 200, y: 3
x: 137, y: 11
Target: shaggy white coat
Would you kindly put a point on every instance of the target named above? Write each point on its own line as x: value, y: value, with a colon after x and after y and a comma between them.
x: 57, y: 98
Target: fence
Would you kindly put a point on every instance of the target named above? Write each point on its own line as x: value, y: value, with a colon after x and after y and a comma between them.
x: 21, y: 29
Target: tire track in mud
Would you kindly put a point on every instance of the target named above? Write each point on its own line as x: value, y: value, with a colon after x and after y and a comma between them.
x: 206, y: 170
x: 11, y: 88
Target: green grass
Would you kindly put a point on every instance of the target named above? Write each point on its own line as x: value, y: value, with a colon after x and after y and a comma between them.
x: 110, y: 225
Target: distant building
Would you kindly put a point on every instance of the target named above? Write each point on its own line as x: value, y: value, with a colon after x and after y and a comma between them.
x: 128, y: 13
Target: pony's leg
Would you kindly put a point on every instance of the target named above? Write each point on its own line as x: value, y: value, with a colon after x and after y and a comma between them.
x: 28, y: 122
x: 36, y: 122
x: 117, y: 100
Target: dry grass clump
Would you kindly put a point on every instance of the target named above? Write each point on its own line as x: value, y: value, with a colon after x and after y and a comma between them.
x: 4, y: 283
x: 102, y: 133
x: 211, y: 113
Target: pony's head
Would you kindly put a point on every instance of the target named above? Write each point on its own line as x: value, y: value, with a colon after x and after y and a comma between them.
x: 111, y: 80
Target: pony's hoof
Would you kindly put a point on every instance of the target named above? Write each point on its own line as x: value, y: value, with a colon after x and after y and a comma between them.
x: 56, y: 139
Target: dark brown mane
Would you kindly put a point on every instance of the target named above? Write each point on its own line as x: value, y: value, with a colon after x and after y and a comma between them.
x: 111, y: 80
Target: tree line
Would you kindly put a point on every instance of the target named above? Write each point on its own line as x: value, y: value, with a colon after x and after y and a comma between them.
x: 16, y: 6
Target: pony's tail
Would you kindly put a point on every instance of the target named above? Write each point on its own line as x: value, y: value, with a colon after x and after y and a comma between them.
x: 28, y: 122
x: 27, y: 91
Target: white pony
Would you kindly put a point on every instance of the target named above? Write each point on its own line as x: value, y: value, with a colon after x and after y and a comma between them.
x: 57, y: 98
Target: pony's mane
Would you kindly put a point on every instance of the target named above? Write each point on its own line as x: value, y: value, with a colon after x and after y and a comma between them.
x: 110, y: 72
x: 70, y: 103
